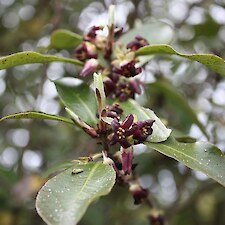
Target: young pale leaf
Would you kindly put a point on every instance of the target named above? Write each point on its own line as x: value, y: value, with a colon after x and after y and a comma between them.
x: 64, y: 39
x: 214, y: 62
x: 111, y: 19
x: 22, y: 58
x: 99, y: 91
x: 65, y: 198
x: 152, y: 32
x: 36, y: 115
x: 79, y: 98
x: 160, y: 132
x: 178, y: 102
x: 201, y: 156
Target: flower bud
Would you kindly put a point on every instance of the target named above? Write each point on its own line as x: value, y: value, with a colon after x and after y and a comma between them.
x: 156, y: 219
x: 127, y: 159
x: 139, y: 193
x: 135, y: 84
x: 109, y: 86
x: 90, y: 67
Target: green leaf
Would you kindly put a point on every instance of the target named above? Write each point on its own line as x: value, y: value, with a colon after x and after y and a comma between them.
x: 36, y: 115
x: 178, y: 102
x: 213, y: 62
x: 65, y: 198
x: 160, y: 132
x: 155, y: 33
x: 22, y: 58
x: 201, y: 156
x: 64, y: 39
x: 79, y: 98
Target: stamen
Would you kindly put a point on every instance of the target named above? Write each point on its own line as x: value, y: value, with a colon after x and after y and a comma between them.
x: 120, y: 133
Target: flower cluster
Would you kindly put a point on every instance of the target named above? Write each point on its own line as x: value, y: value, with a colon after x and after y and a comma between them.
x: 124, y: 131
x: 120, y: 83
x: 118, y: 67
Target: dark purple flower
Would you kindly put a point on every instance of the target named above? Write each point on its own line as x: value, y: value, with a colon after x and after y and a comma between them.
x: 139, y: 193
x: 121, y: 131
x: 127, y: 160
x: 127, y: 69
x: 85, y: 51
x: 127, y: 89
x: 135, y: 85
x: 114, y: 77
x: 118, y: 31
x: 137, y: 43
x: 91, y: 35
x: 116, y: 108
x: 123, y: 91
x: 112, y: 111
x: 109, y: 86
x: 141, y: 130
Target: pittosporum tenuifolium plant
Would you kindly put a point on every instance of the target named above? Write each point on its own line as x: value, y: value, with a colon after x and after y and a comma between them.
x: 102, y: 103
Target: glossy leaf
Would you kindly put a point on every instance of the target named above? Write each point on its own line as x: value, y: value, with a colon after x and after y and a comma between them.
x: 64, y: 39
x: 65, y: 198
x: 79, y: 98
x: 160, y: 132
x: 36, y: 115
x: 22, y: 58
x: 213, y: 62
x: 178, y: 102
x: 201, y: 156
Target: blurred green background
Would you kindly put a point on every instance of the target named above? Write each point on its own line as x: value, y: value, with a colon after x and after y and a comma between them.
x: 29, y: 147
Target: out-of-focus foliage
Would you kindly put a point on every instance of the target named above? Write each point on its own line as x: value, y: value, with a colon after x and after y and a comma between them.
x: 29, y: 147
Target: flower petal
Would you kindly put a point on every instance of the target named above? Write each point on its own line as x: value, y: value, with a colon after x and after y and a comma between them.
x: 115, y: 124
x: 128, y: 121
